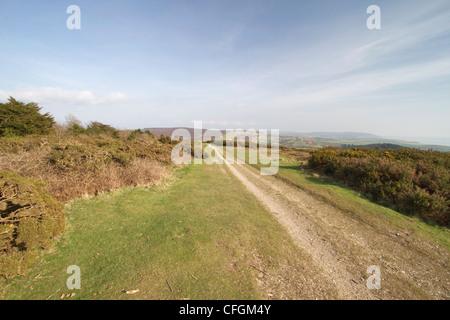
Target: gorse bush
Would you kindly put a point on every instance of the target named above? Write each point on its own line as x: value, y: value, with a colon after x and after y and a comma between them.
x: 75, y: 166
x: 75, y: 128
x: 30, y: 218
x: 139, y: 133
x: 72, y: 166
x: 412, y: 181
x: 165, y: 139
x: 96, y: 128
x: 73, y: 161
x: 20, y: 119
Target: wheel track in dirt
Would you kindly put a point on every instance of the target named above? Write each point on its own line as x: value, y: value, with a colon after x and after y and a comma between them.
x: 344, y: 246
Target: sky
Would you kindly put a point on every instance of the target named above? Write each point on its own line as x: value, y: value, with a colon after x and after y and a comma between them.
x: 293, y: 65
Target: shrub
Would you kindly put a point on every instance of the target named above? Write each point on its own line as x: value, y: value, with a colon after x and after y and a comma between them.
x: 30, y: 219
x: 76, y: 129
x: 84, y: 162
x: 75, y: 166
x: 97, y: 128
x: 138, y: 134
x: 165, y: 139
x: 20, y: 119
x: 412, y: 181
x: 94, y: 129
x: 431, y: 206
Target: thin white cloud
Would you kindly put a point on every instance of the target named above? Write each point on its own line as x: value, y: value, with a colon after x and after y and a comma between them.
x: 400, y: 38
x: 51, y: 95
x: 336, y: 56
x: 356, y: 86
x: 349, y: 67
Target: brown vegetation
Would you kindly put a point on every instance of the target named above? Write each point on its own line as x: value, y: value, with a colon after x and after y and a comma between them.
x: 85, y: 165
x: 412, y: 181
x: 39, y: 172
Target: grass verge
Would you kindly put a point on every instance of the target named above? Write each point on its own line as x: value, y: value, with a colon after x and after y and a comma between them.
x: 201, y: 237
x: 292, y: 171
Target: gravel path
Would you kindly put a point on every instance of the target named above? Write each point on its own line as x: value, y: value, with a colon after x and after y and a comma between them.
x: 343, y: 245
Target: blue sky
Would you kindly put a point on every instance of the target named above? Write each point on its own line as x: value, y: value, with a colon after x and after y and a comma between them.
x: 290, y: 65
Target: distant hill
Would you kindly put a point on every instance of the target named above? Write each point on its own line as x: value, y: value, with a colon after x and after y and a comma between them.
x: 168, y: 131
x: 317, y: 140
x: 382, y: 146
x: 332, y: 135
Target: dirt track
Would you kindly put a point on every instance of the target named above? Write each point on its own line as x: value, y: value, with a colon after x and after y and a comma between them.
x: 342, y: 245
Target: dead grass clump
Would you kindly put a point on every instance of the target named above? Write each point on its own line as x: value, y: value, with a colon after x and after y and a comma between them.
x: 86, y: 165
x: 79, y: 183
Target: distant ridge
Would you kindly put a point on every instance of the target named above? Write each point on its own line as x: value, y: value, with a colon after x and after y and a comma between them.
x: 382, y: 146
x: 315, y: 140
x: 334, y: 135
x: 168, y: 131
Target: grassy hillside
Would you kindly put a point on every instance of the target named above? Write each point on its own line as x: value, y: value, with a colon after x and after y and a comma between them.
x: 412, y: 181
x: 294, y: 170
x: 37, y: 171
x: 200, y: 236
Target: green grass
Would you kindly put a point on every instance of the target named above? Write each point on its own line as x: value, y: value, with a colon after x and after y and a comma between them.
x: 294, y: 172
x: 352, y: 202
x: 197, y: 235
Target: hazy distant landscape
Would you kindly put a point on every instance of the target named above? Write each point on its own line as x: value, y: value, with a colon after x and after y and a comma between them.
x: 315, y: 140
x: 338, y: 139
